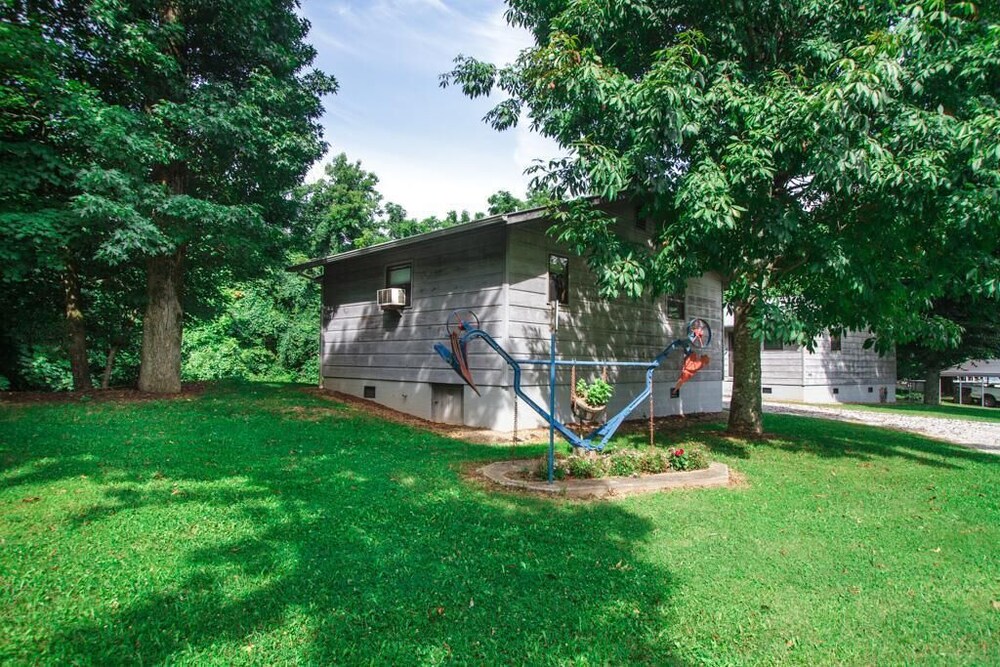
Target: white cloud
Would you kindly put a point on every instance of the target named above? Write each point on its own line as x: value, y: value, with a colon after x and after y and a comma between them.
x: 496, y: 41
x: 428, y: 146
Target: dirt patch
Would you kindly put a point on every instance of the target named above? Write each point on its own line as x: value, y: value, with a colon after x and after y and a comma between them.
x: 488, y: 437
x: 464, y: 433
x: 305, y: 414
x: 738, y: 480
x: 113, y: 395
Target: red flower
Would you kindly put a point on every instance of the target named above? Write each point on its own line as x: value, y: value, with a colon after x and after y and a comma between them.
x: 678, y: 452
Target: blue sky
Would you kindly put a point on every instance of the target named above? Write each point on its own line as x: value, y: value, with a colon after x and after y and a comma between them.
x: 428, y: 145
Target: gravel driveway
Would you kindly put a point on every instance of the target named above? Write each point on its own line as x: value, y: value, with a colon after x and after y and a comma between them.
x: 984, y: 436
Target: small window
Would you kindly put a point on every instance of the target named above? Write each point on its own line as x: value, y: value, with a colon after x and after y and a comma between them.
x: 369, y: 391
x: 772, y: 345
x: 836, y: 390
x: 765, y: 390
x: 400, y: 275
x: 675, y: 306
x: 835, y: 342
x: 559, y: 279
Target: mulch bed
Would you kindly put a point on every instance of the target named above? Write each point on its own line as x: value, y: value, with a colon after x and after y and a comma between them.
x: 112, y: 395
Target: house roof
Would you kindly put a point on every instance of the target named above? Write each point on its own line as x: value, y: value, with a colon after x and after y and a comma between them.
x: 975, y: 367
x: 495, y: 220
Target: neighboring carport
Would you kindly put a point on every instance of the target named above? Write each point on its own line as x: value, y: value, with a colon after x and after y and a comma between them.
x: 961, y: 379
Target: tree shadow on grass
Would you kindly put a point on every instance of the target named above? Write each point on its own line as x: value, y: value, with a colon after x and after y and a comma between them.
x: 837, y: 439
x: 356, y: 542
x: 527, y: 585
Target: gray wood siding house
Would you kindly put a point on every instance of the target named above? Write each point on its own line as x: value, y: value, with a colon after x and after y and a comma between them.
x: 498, y: 268
x: 839, y: 370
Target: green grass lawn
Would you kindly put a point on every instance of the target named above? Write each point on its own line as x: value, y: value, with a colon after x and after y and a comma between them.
x: 948, y: 410
x: 258, y: 524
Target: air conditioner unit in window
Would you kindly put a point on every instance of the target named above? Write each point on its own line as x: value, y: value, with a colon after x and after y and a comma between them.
x: 392, y: 298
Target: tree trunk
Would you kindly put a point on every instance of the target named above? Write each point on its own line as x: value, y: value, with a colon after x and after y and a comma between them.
x: 160, y: 363
x: 76, y: 332
x: 932, y: 386
x: 745, y: 407
x: 109, y: 365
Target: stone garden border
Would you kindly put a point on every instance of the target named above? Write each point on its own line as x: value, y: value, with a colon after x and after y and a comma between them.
x: 500, y: 473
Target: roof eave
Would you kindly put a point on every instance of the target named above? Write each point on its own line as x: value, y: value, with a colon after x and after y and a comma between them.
x: 503, y: 219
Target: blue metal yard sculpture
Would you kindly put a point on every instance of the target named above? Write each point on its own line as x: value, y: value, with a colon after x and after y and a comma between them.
x: 463, y: 327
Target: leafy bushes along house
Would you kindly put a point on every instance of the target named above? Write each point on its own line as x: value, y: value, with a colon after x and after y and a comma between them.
x: 506, y: 269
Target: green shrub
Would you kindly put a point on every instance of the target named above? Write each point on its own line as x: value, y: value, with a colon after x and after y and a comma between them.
x: 46, y: 368
x: 623, y: 464
x: 583, y: 467
x: 558, y: 469
x: 688, y: 459
x: 653, y: 461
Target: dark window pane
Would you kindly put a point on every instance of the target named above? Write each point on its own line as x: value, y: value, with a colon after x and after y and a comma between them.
x: 675, y: 307
x: 559, y: 279
x: 400, y: 276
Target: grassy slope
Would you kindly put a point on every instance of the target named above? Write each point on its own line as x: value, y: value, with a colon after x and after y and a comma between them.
x: 262, y: 525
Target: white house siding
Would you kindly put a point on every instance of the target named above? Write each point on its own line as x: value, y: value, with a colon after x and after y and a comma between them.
x: 501, y: 273
x: 858, y: 375
x: 366, y: 347
x: 850, y: 375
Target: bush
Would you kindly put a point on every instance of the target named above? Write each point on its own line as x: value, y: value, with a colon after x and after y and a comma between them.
x: 558, y: 470
x: 653, y: 461
x: 624, y: 463
x: 688, y: 459
x: 45, y: 368
x: 583, y: 467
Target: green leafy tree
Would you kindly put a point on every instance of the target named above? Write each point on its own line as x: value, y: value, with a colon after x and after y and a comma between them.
x: 503, y: 201
x: 978, y: 337
x: 262, y: 329
x: 211, y: 119
x: 342, y: 210
x: 836, y: 162
x: 48, y: 120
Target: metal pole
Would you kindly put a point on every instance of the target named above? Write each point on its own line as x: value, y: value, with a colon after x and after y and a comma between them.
x: 552, y: 390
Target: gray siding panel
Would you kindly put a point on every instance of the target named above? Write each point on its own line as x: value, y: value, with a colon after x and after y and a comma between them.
x: 852, y: 364
x: 781, y: 366
x: 362, y: 342
x: 592, y: 328
x: 501, y: 273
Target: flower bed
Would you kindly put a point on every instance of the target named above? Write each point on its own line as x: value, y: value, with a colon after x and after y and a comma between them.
x: 623, y: 463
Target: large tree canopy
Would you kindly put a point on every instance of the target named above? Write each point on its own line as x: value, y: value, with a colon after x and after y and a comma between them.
x: 201, y: 118
x: 978, y: 338
x: 836, y: 162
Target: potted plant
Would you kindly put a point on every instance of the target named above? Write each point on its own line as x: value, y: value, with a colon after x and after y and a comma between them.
x: 591, y: 398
